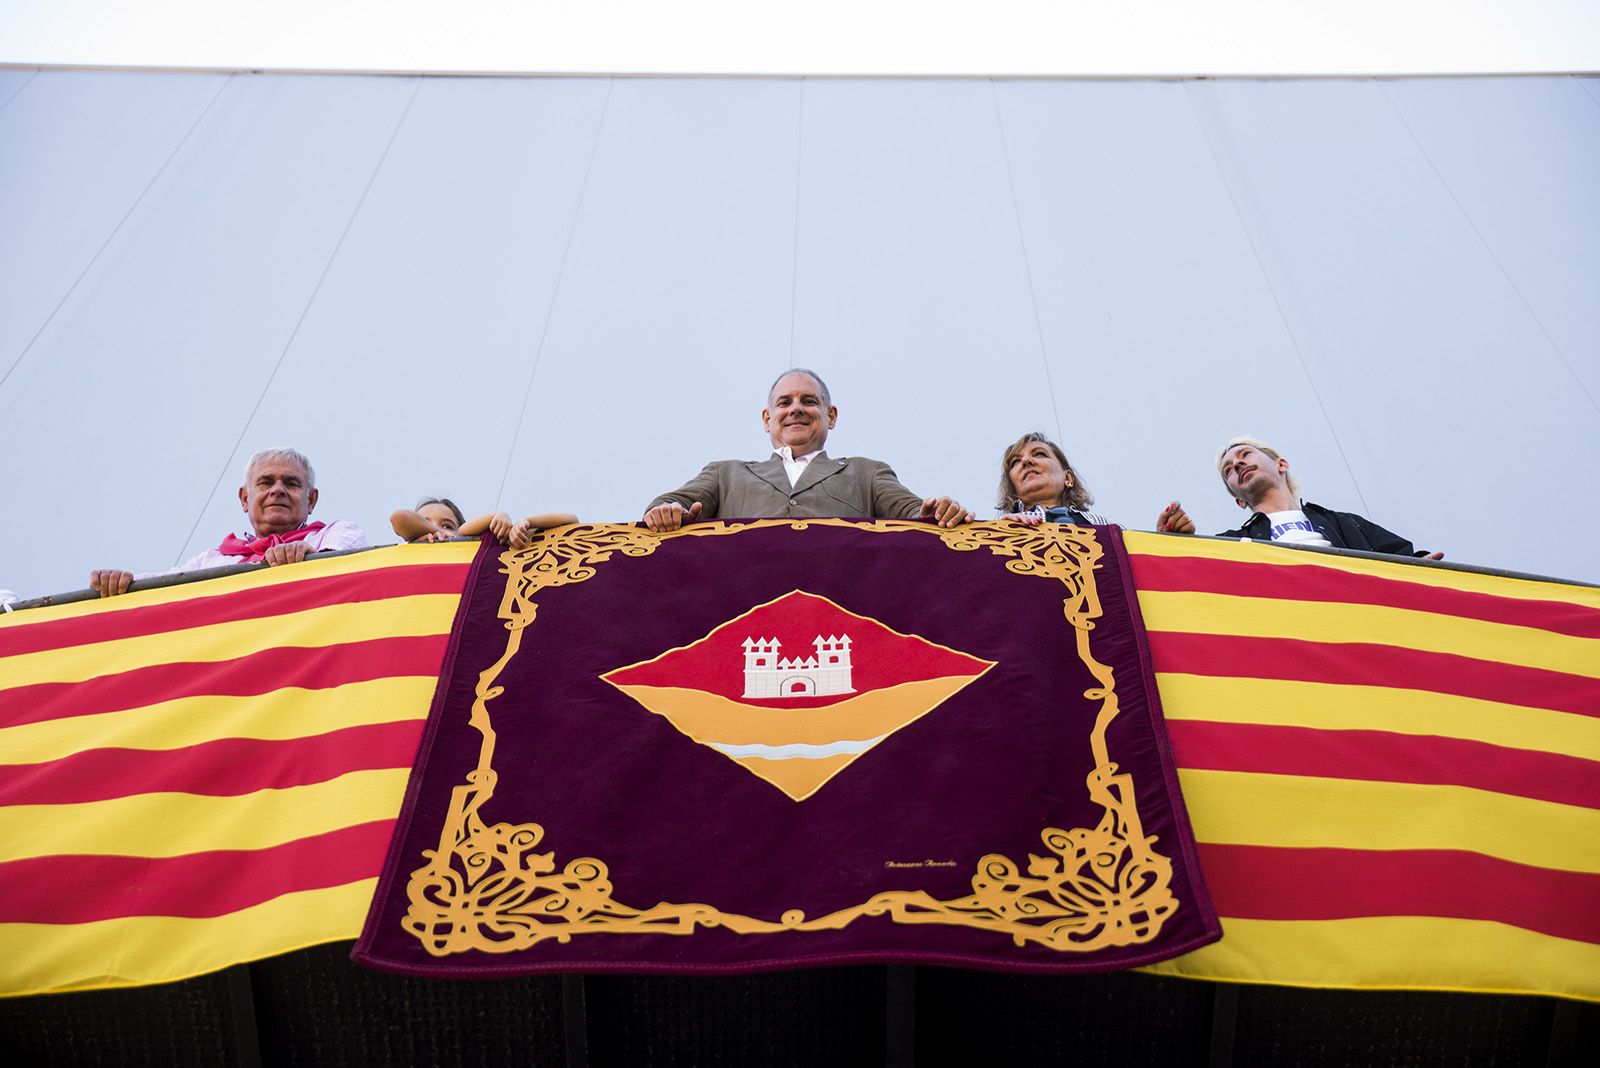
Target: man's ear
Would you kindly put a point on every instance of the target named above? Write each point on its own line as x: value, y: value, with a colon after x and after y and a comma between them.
x: 311, y: 500
x: 833, y: 416
x: 1240, y: 502
x: 766, y: 420
x: 244, y: 500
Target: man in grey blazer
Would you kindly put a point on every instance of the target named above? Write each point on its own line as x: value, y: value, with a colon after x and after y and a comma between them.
x: 799, y: 479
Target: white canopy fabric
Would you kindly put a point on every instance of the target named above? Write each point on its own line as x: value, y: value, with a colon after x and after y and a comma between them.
x: 568, y: 294
x: 901, y: 38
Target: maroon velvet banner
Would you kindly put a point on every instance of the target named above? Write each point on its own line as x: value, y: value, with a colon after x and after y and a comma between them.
x: 780, y: 743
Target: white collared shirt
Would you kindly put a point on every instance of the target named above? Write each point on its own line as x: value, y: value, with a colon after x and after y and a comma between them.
x: 791, y: 466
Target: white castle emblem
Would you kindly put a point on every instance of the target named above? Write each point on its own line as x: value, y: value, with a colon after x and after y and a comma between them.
x: 825, y: 672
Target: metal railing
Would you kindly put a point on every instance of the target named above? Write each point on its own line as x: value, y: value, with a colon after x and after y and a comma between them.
x: 161, y: 581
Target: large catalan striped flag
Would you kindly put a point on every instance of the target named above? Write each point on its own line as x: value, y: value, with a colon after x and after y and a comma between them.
x: 1393, y: 771
x: 205, y: 774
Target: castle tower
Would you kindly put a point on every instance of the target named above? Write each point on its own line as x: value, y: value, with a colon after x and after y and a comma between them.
x: 761, y: 667
x: 761, y: 653
x: 831, y: 651
x: 833, y: 664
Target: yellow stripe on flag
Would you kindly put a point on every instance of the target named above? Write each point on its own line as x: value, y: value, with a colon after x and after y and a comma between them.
x: 314, y: 567
x: 1252, y: 552
x: 1305, y: 812
x: 1249, y: 808
x: 55, y: 958
x: 1321, y: 621
x: 171, y: 824
x: 1395, y: 952
x: 276, y: 716
x: 119, y: 952
x: 1324, y: 706
x: 399, y: 617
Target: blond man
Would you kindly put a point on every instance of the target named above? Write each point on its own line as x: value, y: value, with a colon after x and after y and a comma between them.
x: 1259, y: 480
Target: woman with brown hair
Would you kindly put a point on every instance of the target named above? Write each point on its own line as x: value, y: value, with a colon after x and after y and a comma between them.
x: 1038, y: 485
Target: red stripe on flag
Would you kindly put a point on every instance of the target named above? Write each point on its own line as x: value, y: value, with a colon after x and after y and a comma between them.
x: 1306, y: 582
x: 255, y: 603
x: 1274, y: 883
x: 84, y: 888
x: 1364, y: 664
x: 316, y: 668
x: 225, y: 768
x: 1384, y: 756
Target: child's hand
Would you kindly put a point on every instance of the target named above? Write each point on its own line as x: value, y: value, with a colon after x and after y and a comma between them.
x: 522, y: 534
x: 501, y: 527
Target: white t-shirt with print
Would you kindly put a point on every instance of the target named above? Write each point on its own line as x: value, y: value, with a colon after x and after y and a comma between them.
x: 1293, y: 526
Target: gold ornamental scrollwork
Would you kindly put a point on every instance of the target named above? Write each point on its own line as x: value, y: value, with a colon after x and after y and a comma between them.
x: 488, y: 888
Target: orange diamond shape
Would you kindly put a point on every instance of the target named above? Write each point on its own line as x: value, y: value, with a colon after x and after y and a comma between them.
x: 797, y: 689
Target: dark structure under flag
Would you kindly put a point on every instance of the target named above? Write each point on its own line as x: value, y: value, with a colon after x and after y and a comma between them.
x: 780, y: 743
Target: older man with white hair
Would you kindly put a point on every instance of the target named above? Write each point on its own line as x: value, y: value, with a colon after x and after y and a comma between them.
x: 798, y: 478
x: 278, y: 496
x: 1258, y: 477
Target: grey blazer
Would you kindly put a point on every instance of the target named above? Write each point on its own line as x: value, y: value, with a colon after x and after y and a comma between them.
x: 759, y: 489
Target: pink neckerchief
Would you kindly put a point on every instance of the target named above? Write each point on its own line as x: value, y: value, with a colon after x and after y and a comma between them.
x: 255, y: 549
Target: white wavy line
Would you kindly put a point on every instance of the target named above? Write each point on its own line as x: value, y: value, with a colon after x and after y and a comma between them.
x: 797, y: 750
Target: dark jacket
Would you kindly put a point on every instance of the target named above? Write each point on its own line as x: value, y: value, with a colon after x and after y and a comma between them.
x: 1345, y: 530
